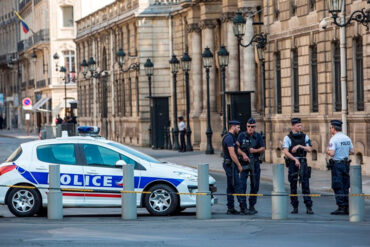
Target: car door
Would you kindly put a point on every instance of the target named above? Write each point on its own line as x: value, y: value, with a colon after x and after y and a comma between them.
x: 101, y: 173
x: 71, y: 171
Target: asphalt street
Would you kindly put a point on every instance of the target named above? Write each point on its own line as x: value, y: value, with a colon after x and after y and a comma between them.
x: 103, y: 226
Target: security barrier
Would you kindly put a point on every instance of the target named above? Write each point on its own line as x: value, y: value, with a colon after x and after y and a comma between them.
x: 203, y: 204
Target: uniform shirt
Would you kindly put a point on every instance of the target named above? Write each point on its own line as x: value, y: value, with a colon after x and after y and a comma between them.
x: 287, y: 142
x: 257, y: 136
x: 228, y: 141
x: 341, y: 144
x: 182, y: 126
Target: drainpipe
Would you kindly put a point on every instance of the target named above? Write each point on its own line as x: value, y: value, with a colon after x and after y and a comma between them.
x: 343, y: 69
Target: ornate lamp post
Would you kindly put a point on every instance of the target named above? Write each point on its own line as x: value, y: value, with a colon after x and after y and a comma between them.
x: 149, y: 72
x: 63, y: 71
x: 223, y: 61
x: 239, y: 31
x: 174, y: 63
x: 207, y: 63
x: 186, y: 66
x: 336, y: 6
x: 121, y: 61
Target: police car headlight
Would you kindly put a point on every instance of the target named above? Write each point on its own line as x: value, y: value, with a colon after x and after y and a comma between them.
x: 187, y: 176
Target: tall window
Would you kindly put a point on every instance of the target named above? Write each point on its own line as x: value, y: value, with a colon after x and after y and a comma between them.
x: 336, y: 77
x: 359, y: 75
x: 69, y: 64
x: 312, y: 5
x: 67, y: 16
x: 123, y: 90
x: 278, y: 82
x: 276, y: 6
x: 295, y: 80
x: 314, y: 82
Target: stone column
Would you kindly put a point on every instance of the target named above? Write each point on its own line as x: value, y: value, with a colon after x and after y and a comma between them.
x: 196, y: 79
x: 208, y: 41
x: 233, y: 69
x: 249, y: 75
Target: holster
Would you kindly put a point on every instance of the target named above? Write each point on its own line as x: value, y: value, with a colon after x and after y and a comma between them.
x: 330, y: 163
x: 228, y: 162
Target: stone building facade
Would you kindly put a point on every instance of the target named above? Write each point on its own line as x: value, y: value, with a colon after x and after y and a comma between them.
x: 303, y: 77
x: 157, y: 29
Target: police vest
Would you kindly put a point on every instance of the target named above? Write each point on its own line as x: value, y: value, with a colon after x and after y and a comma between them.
x: 249, y: 142
x: 297, y: 139
x: 225, y: 148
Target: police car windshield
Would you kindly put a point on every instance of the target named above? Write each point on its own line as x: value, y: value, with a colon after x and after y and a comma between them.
x: 135, y: 153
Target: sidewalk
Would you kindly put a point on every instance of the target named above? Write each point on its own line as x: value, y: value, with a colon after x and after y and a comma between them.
x: 18, y: 133
x: 320, y: 180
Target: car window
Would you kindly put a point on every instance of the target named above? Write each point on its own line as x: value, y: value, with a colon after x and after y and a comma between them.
x: 135, y: 153
x: 98, y: 155
x: 57, y: 153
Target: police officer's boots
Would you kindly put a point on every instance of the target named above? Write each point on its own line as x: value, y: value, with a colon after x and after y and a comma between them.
x: 232, y: 211
x: 340, y: 211
x: 294, y: 211
x: 252, y: 210
x: 309, y: 210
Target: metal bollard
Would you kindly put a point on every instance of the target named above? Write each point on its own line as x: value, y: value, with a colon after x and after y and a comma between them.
x: 58, y: 130
x: 55, y: 199
x: 203, y: 201
x: 129, y: 210
x: 356, y: 203
x: 279, y: 197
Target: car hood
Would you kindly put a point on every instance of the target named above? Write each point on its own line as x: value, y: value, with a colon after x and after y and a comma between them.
x: 171, y: 167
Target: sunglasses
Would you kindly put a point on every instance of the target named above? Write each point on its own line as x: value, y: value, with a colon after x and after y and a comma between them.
x: 251, y: 126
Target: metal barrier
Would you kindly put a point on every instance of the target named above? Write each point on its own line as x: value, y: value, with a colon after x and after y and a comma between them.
x: 279, y: 199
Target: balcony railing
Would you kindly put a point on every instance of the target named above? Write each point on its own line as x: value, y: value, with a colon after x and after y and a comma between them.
x: 31, y: 83
x: 41, y: 84
x: 40, y: 36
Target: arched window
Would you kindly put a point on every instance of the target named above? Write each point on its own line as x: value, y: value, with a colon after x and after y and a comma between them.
x: 359, y: 74
x: 295, y: 79
x: 278, y: 82
x: 314, y: 79
x: 336, y: 77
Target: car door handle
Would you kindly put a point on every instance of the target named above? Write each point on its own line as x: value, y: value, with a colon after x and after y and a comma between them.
x: 41, y: 169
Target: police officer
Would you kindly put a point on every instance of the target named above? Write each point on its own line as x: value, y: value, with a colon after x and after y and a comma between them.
x: 296, y: 145
x: 251, y: 145
x: 232, y: 168
x: 340, y: 146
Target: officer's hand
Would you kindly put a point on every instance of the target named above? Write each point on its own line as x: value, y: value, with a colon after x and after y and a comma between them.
x: 295, y: 148
x: 252, y: 150
x: 245, y: 158
x: 240, y: 169
x: 297, y: 164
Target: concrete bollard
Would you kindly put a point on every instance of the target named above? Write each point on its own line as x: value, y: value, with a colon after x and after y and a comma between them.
x: 203, y: 201
x: 49, y: 132
x: 43, y: 135
x: 129, y: 210
x: 356, y: 203
x: 55, y: 198
x: 279, y: 197
x: 58, y: 130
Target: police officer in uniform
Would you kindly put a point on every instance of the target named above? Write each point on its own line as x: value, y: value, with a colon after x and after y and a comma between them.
x: 232, y: 168
x: 296, y: 145
x: 251, y: 145
x: 340, y: 146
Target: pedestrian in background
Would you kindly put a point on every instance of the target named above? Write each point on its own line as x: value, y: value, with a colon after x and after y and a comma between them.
x: 182, y: 134
x: 340, y: 147
x: 232, y: 168
x: 1, y: 122
x: 251, y: 144
x: 296, y: 145
x: 58, y: 120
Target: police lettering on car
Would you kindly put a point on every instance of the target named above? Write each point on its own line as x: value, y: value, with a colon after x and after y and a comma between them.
x: 251, y: 145
x: 296, y: 145
x: 232, y: 168
x: 340, y: 147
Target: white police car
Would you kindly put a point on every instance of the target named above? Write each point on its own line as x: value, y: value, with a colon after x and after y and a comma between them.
x: 90, y: 163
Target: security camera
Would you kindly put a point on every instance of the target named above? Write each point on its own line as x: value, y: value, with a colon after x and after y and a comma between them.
x: 323, y: 24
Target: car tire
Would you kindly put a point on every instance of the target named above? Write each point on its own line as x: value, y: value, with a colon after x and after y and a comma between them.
x: 162, y: 201
x: 24, y: 202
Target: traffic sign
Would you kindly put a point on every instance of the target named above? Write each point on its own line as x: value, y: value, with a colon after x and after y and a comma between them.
x: 27, y: 102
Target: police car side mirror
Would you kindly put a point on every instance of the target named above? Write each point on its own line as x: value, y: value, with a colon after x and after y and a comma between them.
x: 120, y: 163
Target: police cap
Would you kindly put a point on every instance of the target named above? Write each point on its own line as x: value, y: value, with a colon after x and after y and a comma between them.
x: 234, y: 122
x: 336, y: 123
x: 251, y: 121
x: 295, y: 120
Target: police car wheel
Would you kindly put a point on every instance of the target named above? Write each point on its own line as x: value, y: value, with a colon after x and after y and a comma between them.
x: 24, y: 202
x: 162, y: 201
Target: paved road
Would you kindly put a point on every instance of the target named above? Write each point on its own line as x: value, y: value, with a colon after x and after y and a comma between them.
x: 96, y: 227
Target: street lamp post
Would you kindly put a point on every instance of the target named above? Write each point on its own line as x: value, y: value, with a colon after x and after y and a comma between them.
x: 360, y: 16
x: 149, y: 72
x: 174, y: 63
x: 186, y: 66
x: 223, y: 61
x: 63, y: 71
x: 207, y: 63
x: 121, y: 61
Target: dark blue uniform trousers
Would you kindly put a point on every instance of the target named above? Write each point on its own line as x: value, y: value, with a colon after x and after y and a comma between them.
x: 254, y: 182
x: 233, y: 188
x: 340, y: 183
x: 293, y: 180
